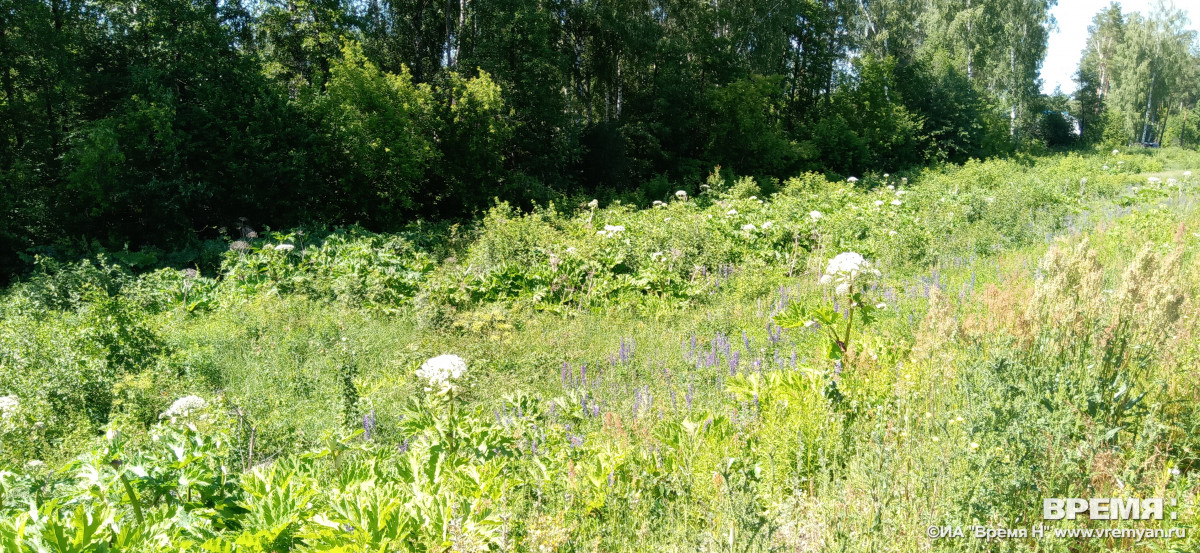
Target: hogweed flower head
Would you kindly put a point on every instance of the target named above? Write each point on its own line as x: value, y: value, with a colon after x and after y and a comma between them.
x: 183, y: 406
x: 815, y: 215
x: 844, y: 269
x: 8, y: 406
x: 612, y: 230
x: 440, y: 372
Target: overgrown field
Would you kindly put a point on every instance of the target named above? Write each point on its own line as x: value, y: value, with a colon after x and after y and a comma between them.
x: 692, y: 375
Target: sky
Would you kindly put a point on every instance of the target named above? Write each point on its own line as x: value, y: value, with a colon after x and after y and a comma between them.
x: 1067, y: 43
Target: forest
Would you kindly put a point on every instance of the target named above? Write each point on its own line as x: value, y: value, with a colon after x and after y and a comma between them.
x: 157, y: 124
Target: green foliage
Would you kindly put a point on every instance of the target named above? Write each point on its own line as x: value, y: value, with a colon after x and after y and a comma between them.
x: 637, y: 378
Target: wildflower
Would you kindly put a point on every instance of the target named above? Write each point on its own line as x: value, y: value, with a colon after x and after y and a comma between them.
x: 239, y: 245
x: 936, y: 439
x: 843, y: 269
x: 731, y: 212
x: 753, y: 197
x: 749, y: 228
x: 1115, y: 152
x: 891, y: 187
x: 285, y: 248
x: 891, y: 233
x: 1187, y: 174
x: 571, y: 249
x: 8, y: 406
x: 852, y: 180
x: 974, y: 445
x: 612, y: 230
x: 896, y: 202
x: 183, y: 406
x: 768, y: 224
x: 656, y: 256
x: 1154, y: 180
x: 1105, y: 167
x: 681, y: 194
x: 34, y: 464
x: 1083, y: 181
x: 658, y: 203
x: 885, y: 175
x: 903, y: 180
x: 1121, y: 162
x: 878, y: 203
x: 440, y: 371
x: 815, y: 215
x: 881, y: 305
x: 593, y: 204
x: 1174, y: 472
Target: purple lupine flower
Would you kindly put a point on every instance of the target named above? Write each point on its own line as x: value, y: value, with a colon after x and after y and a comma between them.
x: 369, y: 424
x: 837, y: 367
x: 746, y: 341
x: 596, y: 410
x: 793, y: 359
x: 583, y: 373
x: 610, y: 479
x: 757, y: 364
x: 690, y: 394
x: 733, y: 363
x: 566, y: 369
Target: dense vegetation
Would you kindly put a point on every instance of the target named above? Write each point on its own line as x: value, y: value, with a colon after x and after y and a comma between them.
x: 154, y: 125
x: 674, y: 377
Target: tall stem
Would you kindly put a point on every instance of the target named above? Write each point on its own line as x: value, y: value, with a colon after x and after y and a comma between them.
x: 133, y: 497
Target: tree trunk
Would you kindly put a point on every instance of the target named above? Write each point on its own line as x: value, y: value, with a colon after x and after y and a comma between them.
x: 1149, y: 102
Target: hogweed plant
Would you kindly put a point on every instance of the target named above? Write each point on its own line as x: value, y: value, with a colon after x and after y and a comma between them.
x: 845, y: 273
x: 440, y: 375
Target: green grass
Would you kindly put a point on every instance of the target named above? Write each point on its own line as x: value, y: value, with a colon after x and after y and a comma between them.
x: 997, y: 374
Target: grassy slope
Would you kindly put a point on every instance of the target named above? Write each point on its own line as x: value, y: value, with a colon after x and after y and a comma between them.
x: 936, y: 420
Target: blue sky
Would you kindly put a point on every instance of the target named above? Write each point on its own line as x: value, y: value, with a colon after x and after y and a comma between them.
x: 1067, y: 42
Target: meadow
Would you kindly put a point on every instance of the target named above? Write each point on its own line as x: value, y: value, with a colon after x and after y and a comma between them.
x: 708, y: 372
